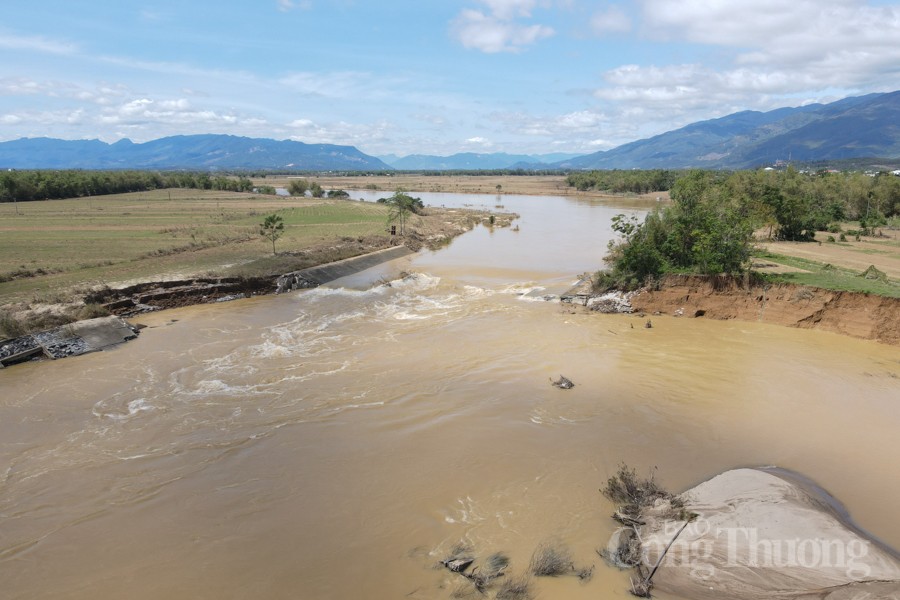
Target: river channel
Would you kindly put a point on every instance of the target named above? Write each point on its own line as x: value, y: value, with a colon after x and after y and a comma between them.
x: 337, y: 442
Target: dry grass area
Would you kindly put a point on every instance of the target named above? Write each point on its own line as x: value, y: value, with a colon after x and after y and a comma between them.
x: 540, y: 185
x: 883, y: 252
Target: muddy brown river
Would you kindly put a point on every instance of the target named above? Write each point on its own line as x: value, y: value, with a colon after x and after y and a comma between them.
x: 336, y: 442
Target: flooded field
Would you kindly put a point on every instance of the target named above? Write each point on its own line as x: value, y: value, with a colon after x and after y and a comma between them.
x: 337, y: 442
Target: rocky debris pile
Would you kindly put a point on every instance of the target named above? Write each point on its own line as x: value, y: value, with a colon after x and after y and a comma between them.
x: 293, y: 281
x: 615, y: 302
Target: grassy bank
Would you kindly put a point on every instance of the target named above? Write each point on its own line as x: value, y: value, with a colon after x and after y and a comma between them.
x: 52, y: 245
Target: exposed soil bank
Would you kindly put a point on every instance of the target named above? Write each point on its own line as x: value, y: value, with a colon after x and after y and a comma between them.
x: 858, y: 315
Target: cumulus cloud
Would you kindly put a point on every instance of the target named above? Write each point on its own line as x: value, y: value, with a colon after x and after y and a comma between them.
x: 340, y: 132
x: 498, y: 29
x: 843, y: 43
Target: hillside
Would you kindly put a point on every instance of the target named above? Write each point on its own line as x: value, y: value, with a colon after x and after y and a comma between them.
x: 865, y: 126
x: 206, y: 152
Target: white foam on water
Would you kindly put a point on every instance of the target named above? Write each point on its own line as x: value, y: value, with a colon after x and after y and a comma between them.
x: 217, y: 387
x: 107, y: 409
x: 313, y: 374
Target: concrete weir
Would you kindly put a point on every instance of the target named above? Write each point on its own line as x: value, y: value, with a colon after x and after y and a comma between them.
x: 316, y: 276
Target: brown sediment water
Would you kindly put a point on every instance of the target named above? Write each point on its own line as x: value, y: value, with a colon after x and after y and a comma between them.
x: 336, y: 442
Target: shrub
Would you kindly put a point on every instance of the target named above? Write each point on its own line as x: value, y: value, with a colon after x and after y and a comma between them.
x: 514, y: 588
x: 551, y: 560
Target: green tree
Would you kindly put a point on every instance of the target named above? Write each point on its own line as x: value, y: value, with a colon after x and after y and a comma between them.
x: 272, y: 228
x: 298, y: 187
x: 316, y: 190
x: 399, y: 207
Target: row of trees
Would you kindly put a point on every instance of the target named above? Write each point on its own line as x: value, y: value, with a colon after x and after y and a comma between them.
x: 709, y: 226
x: 618, y: 181
x: 23, y: 186
x: 299, y: 187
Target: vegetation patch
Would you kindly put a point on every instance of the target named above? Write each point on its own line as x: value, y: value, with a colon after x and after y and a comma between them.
x: 551, y: 560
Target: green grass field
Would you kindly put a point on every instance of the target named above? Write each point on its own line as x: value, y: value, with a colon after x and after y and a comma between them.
x: 52, y: 245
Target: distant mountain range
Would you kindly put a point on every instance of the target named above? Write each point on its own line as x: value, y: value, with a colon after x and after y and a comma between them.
x: 471, y: 160
x: 864, y: 126
x: 202, y: 152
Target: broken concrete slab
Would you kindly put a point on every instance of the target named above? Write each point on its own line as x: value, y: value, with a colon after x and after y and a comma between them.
x: 69, y: 340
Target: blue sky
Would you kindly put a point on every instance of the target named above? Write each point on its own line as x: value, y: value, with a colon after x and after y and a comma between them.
x: 438, y: 77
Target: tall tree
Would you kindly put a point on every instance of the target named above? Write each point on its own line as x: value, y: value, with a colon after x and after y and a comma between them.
x: 272, y: 228
x: 400, y: 205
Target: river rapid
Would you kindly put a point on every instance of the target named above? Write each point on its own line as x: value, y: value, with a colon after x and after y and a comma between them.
x: 337, y: 442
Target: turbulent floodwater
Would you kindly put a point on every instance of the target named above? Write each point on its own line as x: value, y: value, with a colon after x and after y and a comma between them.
x: 335, y: 443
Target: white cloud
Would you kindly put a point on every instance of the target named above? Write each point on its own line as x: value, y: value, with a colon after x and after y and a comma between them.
x: 840, y: 43
x: 768, y: 54
x: 510, y: 9
x: 340, y: 132
x: 480, y: 141
x: 498, y: 30
x: 612, y: 20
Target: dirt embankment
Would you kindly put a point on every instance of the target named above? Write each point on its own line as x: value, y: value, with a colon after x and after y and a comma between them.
x: 858, y: 315
x: 434, y: 228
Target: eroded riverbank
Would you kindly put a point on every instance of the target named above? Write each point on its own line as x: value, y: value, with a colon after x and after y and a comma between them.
x: 864, y: 316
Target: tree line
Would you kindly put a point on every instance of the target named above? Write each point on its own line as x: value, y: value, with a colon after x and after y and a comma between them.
x: 620, y: 181
x: 24, y: 186
x: 709, y: 226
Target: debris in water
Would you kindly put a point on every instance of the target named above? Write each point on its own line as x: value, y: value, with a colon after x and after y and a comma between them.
x: 563, y: 383
x: 458, y: 565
